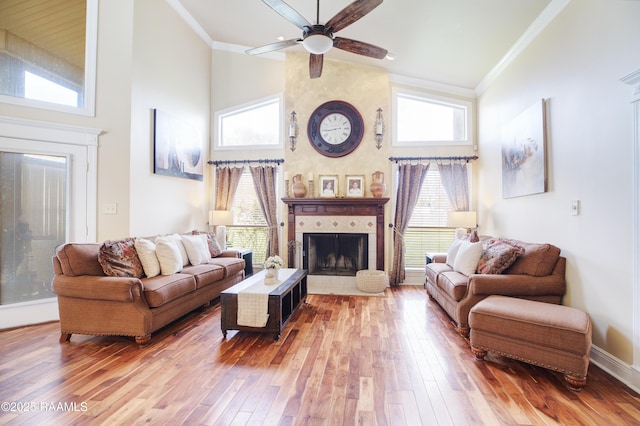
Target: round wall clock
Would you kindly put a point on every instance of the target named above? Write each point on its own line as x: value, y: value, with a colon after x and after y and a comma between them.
x: 335, y: 128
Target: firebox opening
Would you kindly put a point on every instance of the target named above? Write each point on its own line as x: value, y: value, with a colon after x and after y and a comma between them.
x: 335, y: 254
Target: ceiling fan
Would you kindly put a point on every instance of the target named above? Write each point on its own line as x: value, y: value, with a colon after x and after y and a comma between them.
x: 318, y: 39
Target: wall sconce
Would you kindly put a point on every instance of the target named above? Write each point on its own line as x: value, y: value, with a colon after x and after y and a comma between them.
x: 293, y: 131
x: 379, y: 128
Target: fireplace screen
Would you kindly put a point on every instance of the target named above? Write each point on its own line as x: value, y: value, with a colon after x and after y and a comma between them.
x: 335, y: 254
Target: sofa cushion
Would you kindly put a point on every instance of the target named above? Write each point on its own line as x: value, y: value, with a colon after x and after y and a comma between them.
x: 176, y: 239
x: 231, y: 265
x: 467, y: 258
x: 498, y: 256
x: 453, y: 251
x: 434, y: 269
x: 146, y: 250
x: 212, y: 243
x: 205, y: 274
x: 197, y: 250
x: 453, y: 283
x: 165, y: 288
x: 79, y: 259
x: 538, y: 260
x: 169, y: 256
x: 120, y: 259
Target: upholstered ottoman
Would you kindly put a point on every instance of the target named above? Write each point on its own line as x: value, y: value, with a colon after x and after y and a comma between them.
x: 371, y: 281
x: 547, y: 335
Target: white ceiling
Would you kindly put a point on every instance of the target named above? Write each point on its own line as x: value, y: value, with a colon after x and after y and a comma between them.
x: 453, y: 42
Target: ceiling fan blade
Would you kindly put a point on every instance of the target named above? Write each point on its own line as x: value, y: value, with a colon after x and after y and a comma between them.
x: 273, y: 46
x: 315, y: 65
x: 359, y: 47
x: 288, y: 13
x: 351, y: 14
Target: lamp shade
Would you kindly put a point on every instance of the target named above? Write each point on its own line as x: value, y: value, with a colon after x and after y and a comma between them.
x: 222, y: 217
x: 461, y: 220
x: 317, y: 44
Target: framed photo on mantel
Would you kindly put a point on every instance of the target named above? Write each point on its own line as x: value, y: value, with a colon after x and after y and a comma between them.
x: 328, y: 185
x: 355, y: 185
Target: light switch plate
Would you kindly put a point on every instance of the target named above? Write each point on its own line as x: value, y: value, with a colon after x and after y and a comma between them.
x: 110, y: 208
x: 575, y: 207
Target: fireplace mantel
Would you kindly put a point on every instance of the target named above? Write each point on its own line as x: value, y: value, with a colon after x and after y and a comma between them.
x: 349, y: 206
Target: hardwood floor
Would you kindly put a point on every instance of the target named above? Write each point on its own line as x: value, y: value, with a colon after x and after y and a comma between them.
x: 390, y: 360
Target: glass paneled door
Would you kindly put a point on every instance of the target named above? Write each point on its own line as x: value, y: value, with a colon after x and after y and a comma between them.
x: 33, y: 221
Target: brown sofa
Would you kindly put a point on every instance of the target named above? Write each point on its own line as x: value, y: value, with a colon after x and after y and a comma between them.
x: 90, y: 302
x: 538, y: 273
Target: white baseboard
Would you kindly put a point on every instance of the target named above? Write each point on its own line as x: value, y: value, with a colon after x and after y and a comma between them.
x: 622, y: 371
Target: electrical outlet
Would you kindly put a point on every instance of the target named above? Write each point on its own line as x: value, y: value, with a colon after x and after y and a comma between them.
x: 110, y: 208
x: 575, y: 207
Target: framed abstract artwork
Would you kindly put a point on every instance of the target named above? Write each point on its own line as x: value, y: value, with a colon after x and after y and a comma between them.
x: 524, y: 170
x: 177, y: 146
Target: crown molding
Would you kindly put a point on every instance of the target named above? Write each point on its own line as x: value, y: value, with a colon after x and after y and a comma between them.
x: 633, y: 80
x: 549, y: 13
x: 190, y: 21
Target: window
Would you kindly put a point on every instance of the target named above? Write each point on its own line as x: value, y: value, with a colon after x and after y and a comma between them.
x: 421, y: 119
x: 39, y: 88
x: 257, y: 125
x: 250, y: 227
x: 427, y: 230
x: 52, y: 42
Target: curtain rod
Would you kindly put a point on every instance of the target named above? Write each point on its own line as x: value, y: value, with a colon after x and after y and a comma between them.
x: 261, y: 161
x: 453, y: 158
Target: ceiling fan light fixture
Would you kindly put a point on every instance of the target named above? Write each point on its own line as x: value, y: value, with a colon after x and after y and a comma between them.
x: 318, y: 44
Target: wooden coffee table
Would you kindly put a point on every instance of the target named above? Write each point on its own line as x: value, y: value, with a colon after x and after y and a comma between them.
x: 284, y: 299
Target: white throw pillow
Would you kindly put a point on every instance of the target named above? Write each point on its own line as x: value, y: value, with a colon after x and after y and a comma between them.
x: 146, y: 250
x: 453, y: 251
x: 169, y: 257
x: 467, y: 258
x: 176, y: 239
x: 197, y: 248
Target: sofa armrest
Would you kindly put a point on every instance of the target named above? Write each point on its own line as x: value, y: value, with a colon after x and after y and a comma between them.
x: 229, y: 253
x: 516, y: 285
x: 439, y: 257
x: 117, y: 289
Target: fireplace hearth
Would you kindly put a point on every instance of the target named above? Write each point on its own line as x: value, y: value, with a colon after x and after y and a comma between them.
x: 341, y: 254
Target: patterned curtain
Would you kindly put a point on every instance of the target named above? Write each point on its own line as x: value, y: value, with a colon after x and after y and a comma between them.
x: 264, y: 180
x: 456, y: 185
x: 227, y: 179
x: 410, y: 179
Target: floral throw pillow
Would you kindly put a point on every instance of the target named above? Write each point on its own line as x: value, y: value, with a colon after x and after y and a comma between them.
x: 120, y: 259
x: 498, y: 256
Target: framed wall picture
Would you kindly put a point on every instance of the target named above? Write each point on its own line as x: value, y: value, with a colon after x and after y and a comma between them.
x: 355, y: 185
x: 328, y: 185
x: 177, y: 147
x: 524, y: 153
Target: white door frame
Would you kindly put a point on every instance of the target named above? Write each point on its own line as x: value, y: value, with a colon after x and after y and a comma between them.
x: 80, y: 145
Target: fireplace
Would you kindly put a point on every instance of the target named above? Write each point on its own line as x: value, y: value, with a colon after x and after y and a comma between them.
x: 341, y: 254
x: 336, y: 215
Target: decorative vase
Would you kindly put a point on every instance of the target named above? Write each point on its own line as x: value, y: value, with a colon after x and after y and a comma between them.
x: 299, y: 190
x: 378, y: 186
x: 271, y: 277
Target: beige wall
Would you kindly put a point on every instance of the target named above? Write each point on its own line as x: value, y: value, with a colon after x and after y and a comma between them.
x: 576, y: 64
x: 171, y: 71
